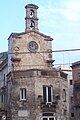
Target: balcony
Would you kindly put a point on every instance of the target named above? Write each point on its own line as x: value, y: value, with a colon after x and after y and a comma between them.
x: 46, y: 106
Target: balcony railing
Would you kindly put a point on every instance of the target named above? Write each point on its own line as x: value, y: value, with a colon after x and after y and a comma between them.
x: 49, y: 105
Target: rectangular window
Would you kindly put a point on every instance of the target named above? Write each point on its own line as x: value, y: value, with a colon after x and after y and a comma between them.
x: 4, y: 79
x: 48, y: 116
x: 47, y: 94
x: 4, y: 76
x: 72, y: 114
x: 64, y: 95
x: 44, y: 118
x: 22, y: 93
x: 2, y: 98
x: 71, y: 99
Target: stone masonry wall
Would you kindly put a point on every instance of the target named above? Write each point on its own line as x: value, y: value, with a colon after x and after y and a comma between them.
x: 30, y: 60
x: 33, y: 82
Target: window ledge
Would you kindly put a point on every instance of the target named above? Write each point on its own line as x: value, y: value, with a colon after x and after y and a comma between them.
x: 22, y: 100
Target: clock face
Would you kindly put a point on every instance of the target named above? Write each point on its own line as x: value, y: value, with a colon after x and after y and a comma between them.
x: 33, y: 46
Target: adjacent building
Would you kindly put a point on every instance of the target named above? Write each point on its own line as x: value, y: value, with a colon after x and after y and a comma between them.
x: 3, y: 83
x: 76, y: 90
x: 68, y: 70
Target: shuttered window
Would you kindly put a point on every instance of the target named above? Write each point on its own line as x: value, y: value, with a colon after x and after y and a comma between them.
x: 22, y: 93
x: 47, y: 94
x: 48, y: 116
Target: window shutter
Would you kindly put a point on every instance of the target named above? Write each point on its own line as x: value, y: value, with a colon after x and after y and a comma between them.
x: 22, y: 94
x: 25, y: 94
x: 44, y: 94
x: 49, y: 94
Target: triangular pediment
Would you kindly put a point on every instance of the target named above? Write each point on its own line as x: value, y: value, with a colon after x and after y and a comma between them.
x: 35, y: 32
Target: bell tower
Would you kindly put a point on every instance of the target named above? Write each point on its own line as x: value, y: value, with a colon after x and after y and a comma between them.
x: 31, y: 17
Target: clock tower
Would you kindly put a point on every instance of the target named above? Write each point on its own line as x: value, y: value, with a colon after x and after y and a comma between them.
x: 33, y: 49
x: 32, y: 81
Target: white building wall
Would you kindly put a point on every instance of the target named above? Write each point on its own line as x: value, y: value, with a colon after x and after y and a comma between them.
x: 3, y: 83
x: 67, y: 69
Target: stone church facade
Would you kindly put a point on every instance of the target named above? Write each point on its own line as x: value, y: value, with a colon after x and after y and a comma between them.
x: 35, y: 90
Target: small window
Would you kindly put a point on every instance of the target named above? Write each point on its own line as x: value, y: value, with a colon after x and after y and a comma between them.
x: 48, y: 114
x: 44, y: 119
x: 64, y: 95
x: 78, y: 74
x: 22, y: 93
x: 4, y: 76
x: 71, y: 82
x: 4, y: 79
x: 65, y: 112
x: 71, y: 99
x: 2, y: 98
x: 48, y: 118
x: 72, y: 114
x: 47, y: 94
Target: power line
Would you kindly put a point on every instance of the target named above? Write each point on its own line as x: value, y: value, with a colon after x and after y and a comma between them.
x: 66, y: 50
x: 48, y: 51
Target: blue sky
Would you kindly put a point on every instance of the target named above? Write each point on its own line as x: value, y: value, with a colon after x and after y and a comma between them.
x: 58, y: 18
